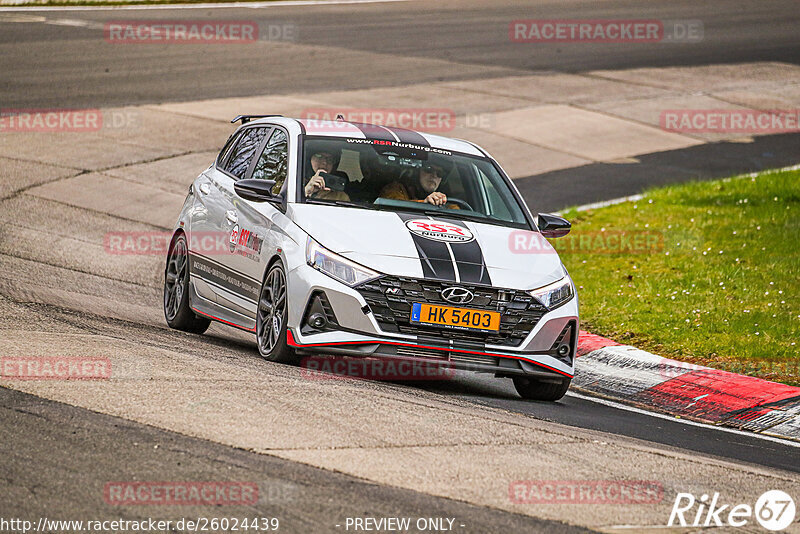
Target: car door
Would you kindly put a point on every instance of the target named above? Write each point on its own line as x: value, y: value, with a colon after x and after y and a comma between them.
x: 257, y: 219
x: 219, y: 270
x: 206, y: 244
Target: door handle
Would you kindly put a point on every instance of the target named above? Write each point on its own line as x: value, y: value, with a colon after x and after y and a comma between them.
x: 204, y: 189
x: 231, y: 216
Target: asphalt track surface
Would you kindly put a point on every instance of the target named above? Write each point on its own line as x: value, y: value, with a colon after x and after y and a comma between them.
x: 47, y: 65
x: 361, y: 46
x: 98, y: 448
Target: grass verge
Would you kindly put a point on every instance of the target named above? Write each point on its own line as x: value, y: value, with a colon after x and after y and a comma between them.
x: 704, y: 272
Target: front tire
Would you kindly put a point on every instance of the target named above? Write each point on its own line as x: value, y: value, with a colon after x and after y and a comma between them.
x: 532, y: 389
x: 177, y: 311
x: 272, y: 317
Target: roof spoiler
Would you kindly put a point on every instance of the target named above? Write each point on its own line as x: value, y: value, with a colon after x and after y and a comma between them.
x: 247, y: 118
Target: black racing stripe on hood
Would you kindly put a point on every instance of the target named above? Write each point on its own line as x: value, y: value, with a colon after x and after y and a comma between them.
x: 409, y: 136
x: 371, y: 131
x: 433, y: 255
x: 469, y: 258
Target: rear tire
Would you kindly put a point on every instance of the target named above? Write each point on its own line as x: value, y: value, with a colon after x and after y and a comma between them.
x: 177, y: 310
x: 271, y: 317
x: 533, y: 389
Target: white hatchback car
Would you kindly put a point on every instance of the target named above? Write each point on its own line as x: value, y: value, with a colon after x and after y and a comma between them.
x: 362, y: 240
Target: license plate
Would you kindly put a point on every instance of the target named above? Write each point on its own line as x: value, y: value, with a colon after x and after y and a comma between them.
x: 458, y: 318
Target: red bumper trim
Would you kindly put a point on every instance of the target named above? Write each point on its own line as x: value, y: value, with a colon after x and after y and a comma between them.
x: 291, y: 341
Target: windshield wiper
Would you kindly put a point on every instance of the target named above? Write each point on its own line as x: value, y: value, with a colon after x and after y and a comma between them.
x: 458, y: 214
x: 341, y: 203
x: 425, y: 208
x: 455, y: 214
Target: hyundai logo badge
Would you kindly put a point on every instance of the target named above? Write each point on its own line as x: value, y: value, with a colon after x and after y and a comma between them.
x: 457, y: 295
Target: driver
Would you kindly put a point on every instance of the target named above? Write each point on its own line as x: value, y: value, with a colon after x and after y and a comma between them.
x: 423, y: 185
x: 324, y: 161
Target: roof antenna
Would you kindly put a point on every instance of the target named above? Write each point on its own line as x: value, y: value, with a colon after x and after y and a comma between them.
x: 340, y: 117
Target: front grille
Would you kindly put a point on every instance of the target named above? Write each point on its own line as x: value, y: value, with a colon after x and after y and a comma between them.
x: 449, y: 356
x: 421, y: 353
x: 519, y: 311
x: 475, y: 358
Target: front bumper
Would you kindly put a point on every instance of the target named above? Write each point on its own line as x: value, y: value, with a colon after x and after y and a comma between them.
x: 359, y: 334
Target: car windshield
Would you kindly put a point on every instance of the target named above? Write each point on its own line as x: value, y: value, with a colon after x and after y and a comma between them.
x: 387, y: 175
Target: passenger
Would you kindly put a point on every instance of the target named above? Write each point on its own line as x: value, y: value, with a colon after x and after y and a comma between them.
x: 324, y: 161
x: 423, y: 185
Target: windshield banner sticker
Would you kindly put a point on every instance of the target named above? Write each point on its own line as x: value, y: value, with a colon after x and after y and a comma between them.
x: 396, y: 144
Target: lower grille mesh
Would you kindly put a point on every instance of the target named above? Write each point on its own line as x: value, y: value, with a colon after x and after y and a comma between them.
x: 421, y: 353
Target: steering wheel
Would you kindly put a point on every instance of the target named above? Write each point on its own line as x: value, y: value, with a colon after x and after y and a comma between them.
x: 460, y: 203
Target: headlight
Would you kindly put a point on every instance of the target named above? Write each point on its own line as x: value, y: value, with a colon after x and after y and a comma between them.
x: 554, y: 295
x: 335, y: 266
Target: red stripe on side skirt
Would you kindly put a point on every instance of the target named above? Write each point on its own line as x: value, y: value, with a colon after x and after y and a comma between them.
x: 224, y: 321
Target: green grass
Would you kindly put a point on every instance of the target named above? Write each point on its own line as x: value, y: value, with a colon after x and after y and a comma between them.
x: 717, y: 284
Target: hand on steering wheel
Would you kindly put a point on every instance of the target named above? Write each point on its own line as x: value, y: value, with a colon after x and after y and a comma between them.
x: 436, y: 198
x: 460, y: 203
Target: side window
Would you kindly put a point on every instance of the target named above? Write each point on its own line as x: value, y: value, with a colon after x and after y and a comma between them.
x: 244, y: 150
x: 226, y: 150
x: 273, y: 163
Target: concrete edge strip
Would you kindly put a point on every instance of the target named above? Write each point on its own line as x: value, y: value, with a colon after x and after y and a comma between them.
x: 23, y: 6
x: 639, y: 378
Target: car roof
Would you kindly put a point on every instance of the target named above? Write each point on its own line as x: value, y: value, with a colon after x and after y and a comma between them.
x: 358, y: 130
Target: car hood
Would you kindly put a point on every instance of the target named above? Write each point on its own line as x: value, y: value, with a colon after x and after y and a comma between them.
x: 422, y: 246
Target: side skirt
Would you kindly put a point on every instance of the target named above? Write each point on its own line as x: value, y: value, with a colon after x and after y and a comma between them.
x: 218, y: 313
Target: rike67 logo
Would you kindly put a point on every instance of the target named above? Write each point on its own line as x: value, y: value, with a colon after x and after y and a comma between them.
x: 774, y: 510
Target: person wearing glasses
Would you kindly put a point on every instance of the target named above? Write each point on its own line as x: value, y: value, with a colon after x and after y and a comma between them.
x: 324, y: 162
x: 423, y: 185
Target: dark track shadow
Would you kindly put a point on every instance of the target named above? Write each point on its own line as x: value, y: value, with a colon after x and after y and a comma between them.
x: 603, y: 181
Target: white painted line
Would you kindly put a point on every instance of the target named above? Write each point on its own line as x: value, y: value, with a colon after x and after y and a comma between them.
x: 247, y: 5
x: 674, y: 419
x: 68, y: 22
x: 605, y: 203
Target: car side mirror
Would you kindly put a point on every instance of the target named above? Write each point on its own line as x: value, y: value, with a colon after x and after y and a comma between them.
x: 553, y: 225
x: 256, y: 190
